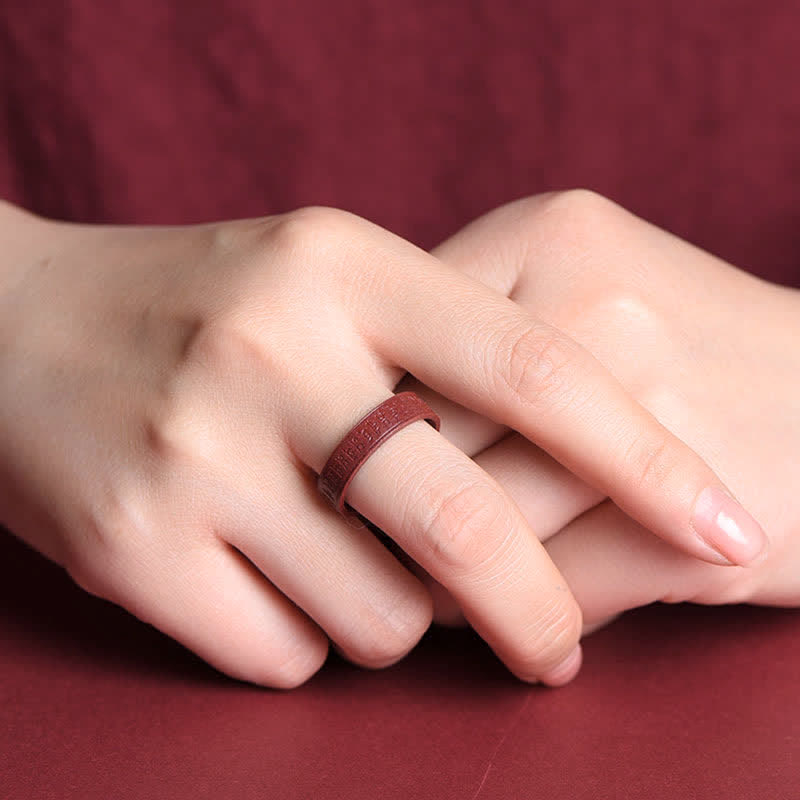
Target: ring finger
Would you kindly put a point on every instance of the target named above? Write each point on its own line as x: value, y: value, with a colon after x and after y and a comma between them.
x: 454, y: 519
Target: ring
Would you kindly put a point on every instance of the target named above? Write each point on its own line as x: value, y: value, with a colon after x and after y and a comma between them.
x: 365, y: 437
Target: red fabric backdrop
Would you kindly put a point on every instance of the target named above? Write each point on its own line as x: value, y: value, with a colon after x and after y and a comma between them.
x: 419, y: 115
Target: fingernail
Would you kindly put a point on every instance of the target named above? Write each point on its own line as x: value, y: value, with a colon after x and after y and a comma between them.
x: 566, y: 670
x: 722, y: 524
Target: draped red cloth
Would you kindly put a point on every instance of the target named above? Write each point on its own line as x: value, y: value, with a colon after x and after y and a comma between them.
x: 419, y: 115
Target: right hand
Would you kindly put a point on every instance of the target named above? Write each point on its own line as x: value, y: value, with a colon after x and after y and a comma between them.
x: 169, y: 393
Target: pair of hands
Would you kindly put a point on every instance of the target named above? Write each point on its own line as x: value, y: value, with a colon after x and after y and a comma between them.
x: 169, y: 394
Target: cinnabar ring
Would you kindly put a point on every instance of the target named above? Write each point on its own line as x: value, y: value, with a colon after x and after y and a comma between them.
x: 364, y: 438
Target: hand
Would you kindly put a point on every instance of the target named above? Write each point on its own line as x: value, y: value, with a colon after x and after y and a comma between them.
x: 170, y: 393
x: 712, y: 351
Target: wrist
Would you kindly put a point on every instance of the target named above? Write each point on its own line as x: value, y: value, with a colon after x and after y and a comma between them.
x: 20, y: 242
x: 25, y: 243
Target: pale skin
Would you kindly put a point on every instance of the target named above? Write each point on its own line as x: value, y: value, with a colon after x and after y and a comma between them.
x: 711, y: 350
x: 170, y: 393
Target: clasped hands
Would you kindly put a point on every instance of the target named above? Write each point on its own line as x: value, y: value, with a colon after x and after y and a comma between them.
x: 606, y: 390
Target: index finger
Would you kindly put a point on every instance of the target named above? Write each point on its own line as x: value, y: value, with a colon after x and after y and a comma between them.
x: 486, y: 352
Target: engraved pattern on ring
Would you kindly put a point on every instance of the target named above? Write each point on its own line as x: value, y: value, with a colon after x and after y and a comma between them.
x: 365, y: 437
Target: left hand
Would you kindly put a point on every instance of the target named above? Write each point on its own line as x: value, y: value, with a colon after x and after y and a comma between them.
x: 713, y: 352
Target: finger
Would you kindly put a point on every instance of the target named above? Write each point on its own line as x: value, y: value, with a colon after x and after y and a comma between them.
x: 468, y: 431
x: 263, y: 501
x: 373, y: 608
x: 216, y: 603
x: 613, y: 564
x: 489, y: 354
x: 454, y: 520
x: 547, y: 494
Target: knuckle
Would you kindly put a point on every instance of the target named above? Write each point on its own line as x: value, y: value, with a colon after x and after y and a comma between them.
x: 537, y: 362
x: 232, y: 237
x: 582, y: 226
x: 458, y: 530
x: 315, y: 255
x: 609, y: 316
x: 271, y: 262
x: 304, y: 230
x: 102, y: 540
x: 563, y: 206
x: 622, y: 303
x: 651, y: 459
x: 624, y: 307
x: 390, y: 633
x: 580, y: 209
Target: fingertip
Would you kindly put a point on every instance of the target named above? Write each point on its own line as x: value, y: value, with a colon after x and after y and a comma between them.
x: 565, y: 671
x: 724, y: 526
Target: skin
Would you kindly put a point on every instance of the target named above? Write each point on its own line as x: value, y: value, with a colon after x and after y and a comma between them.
x: 170, y: 394
x: 711, y: 350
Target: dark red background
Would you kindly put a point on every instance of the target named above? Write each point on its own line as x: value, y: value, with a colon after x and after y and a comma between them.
x: 419, y: 115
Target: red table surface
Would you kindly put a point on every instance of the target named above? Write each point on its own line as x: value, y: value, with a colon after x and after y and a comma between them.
x: 419, y: 115
x: 682, y: 702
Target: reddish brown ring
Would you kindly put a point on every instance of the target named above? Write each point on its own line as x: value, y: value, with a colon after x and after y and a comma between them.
x: 364, y: 438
